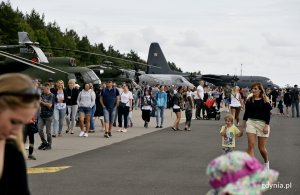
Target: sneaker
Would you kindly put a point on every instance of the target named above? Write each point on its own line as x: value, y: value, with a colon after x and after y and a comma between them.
x: 48, y: 147
x: 53, y: 135
x: 146, y: 125
x: 174, y: 129
x: 189, y: 129
x: 91, y: 131
x: 106, y: 135
x: 161, y: 126
x: 124, y: 130
x: 109, y: 134
x: 81, y: 134
x: 157, y: 126
x: 185, y: 129
x: 67, y: 131
x: 85, y: 135
x: 31, y: 157
x: 42, y: 146
x: 120, y: 130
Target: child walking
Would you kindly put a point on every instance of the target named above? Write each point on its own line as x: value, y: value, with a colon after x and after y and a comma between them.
x: 228, y: 133
x: 189, y: 106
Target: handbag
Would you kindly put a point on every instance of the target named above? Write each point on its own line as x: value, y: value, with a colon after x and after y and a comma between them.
x: 33, y: 128
x: 122, y: 105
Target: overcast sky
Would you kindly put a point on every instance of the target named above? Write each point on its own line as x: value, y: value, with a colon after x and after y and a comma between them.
x: 213, y: 36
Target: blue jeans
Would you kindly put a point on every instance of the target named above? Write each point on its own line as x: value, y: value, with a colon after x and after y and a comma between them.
x: 58, y: 120
x: 136, y: 102
x: 160, y: 115
x: 295, y: 105
x: 92, y: 123
x: 71, y: 117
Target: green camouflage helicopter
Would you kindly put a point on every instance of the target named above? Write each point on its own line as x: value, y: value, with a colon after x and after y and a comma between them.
x: 32, y: 61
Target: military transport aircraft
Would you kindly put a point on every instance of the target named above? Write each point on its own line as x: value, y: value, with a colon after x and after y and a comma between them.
x: 157, y: 58
x: 241, y: 81
x: 31, y: 61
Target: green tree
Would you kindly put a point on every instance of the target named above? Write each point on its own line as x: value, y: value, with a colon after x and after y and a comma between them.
x: 9, y: 24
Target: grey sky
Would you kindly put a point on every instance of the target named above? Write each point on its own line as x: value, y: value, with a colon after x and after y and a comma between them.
x: 215, y: 36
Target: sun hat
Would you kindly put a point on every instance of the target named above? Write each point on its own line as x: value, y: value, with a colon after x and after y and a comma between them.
x: 239, y: 173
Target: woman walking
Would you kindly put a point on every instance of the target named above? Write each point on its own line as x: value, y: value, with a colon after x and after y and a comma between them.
x: 85, y: 101
x: 146, y: 104
x: 124, y: 108
x: 19, y: 100
x: 59, y: 108
x: 178, y: 105
x: 235, y: 105
x: 257, y: 114
x: 72, y: 107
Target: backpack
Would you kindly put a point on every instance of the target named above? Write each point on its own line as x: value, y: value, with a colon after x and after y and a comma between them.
x: 106, y: 90
x: 171, y: 101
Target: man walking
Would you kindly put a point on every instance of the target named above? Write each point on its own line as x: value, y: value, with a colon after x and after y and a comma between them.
x: 109, y: 100
x: 295, y: 100
x: 46, y: 116
x: 199, y: 95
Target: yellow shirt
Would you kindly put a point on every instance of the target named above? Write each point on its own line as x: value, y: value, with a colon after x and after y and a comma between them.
x: 228, y: 140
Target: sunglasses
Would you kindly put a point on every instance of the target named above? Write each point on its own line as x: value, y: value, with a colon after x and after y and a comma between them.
x: 28, y: 95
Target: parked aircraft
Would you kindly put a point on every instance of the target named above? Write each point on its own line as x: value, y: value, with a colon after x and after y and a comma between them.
x: 157, y: 58
x: 241, y: 81
x: 31, y: 61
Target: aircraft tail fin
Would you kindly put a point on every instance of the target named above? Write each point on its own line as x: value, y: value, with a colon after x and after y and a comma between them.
x: 157, y: 58
x: 24, y: 38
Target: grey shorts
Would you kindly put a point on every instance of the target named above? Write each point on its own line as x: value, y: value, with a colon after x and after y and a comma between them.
x: 109, y: 115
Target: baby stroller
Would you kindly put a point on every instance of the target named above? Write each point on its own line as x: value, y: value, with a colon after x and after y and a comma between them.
x: 211, y: 109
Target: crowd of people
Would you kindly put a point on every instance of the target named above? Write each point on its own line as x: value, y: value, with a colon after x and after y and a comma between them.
x: 113, y: 104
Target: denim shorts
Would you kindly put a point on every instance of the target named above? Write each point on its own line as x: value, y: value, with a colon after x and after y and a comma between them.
x: 109, y: 115
x: 85, y: 110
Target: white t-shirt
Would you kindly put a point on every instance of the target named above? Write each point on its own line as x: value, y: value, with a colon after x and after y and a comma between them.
x: 199, y: 90
x: 235, y: 100
x: 126, y: 97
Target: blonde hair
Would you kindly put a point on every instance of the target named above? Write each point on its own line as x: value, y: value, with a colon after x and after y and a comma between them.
x: 15, y: 82
x: 234, y: 89
x: 60, y: 81
x: 229, y: 117
x: 73, y: 81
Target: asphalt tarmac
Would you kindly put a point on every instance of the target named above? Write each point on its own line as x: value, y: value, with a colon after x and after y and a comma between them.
x: 165, y: 162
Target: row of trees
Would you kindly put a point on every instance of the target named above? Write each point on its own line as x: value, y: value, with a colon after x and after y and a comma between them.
x: 50, y: 35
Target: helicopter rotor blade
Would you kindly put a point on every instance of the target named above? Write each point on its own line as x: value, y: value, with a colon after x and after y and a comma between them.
x: 24, y: 62
x: 9, y: 46
x: 103, y: 55
x: 29, y: 61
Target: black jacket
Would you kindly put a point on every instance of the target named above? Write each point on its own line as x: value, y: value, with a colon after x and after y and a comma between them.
x: 73, y: 94
x: 14, y: 176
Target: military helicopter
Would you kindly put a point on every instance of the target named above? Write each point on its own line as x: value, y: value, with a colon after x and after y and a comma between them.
x: 32, y: 61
